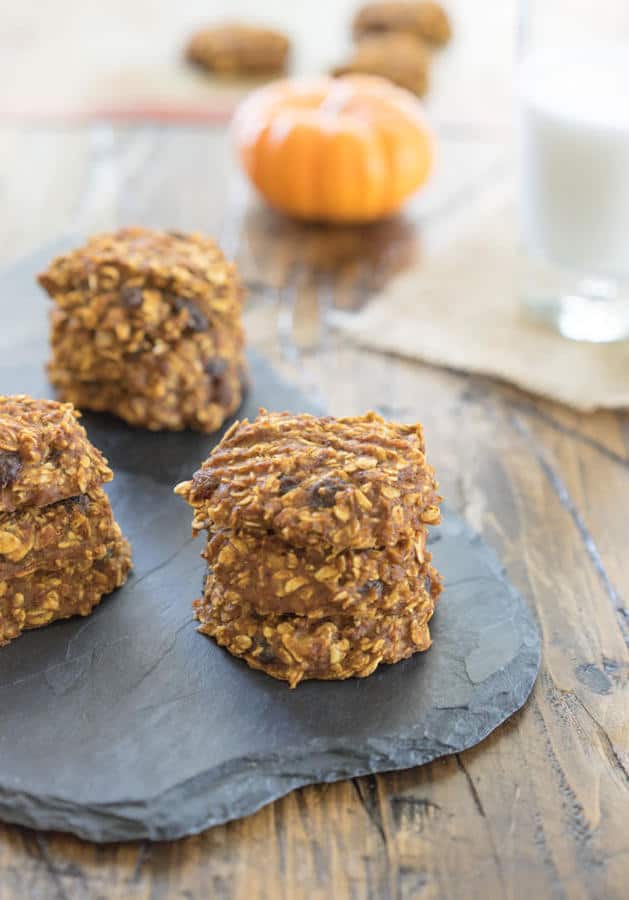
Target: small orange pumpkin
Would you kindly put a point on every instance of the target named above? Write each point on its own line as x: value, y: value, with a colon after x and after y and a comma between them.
x: 348, y: 149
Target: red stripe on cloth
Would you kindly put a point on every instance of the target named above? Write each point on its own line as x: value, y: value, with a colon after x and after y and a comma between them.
x: 149, y: 112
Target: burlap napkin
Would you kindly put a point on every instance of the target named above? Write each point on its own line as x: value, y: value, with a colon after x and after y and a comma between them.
x: 461, y: 309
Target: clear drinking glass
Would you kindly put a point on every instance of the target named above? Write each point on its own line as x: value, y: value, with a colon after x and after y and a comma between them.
x: 573, y: 103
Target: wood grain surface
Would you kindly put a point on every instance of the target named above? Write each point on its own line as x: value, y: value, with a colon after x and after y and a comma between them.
x: 540, y: 809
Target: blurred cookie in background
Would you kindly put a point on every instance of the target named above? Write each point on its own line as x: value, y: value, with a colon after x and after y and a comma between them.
x: 234, y: 49
x: 400, y: 58
x: 424, y: 20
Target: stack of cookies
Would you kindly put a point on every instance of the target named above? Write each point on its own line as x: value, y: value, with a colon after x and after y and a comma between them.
x: 60, y: 548
x: 316, y: 552
x: 395, y: 39
x: 147, y: 326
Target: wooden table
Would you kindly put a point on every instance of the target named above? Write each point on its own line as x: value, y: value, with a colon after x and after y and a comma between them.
x: 541, y: 808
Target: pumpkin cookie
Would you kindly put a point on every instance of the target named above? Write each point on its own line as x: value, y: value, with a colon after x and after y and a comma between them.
x: 48, y: 537
x: 45, y: 454
x: 235, y: 49
x: 349, y: 483
x: 37, y: 599
x: 399, y: 58
x: 139, y: 285
x: 424, y: 20
x: 316, y: 543
x: 60, y: 547
x: 278, y: 578
x: 147, y: 325
x: 194, y: 385
x: 293, y: 648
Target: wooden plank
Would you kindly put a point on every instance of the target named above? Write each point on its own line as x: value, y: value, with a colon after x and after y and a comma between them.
x: 42, y: 174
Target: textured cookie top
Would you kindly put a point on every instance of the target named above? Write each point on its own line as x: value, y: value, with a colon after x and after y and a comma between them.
x: 45, y: 455
x: 151, y: 275
x: 348, y: 483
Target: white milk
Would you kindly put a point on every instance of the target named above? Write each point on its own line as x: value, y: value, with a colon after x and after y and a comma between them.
x: 575, y: 158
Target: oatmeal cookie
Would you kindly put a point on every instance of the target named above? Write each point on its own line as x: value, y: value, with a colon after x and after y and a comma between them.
x: 48, y: 537
x: 99, y: 356
x: 293, y: 648
x: 44, y: 596
x: 276, y: 578
x: 60, y: 548
x: 425, y: 20
x: 147, y: 325
x: 143, y: 285
x: 348, y: 483
x: 181, y: 389
x: 235, y: 49
x: 45, y: 454
x: 399, y: 58
x: 316, y: 543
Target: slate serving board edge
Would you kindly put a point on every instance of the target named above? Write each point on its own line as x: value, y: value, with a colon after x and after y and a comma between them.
x: 237, y: 788
x: 209, y: 792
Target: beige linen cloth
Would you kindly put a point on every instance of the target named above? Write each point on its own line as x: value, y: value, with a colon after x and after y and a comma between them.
x: 460, y: 309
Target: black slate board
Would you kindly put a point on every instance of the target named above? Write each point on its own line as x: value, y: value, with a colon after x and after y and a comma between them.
x: 129, y: 724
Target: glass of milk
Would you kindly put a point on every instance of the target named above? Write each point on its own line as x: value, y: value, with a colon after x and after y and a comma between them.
x: 573, y: 98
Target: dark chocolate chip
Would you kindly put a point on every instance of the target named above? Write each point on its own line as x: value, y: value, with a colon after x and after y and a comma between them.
x: 205, y: 484
x: 215, y: 367
x: 131, y: 297
x: 323, y: 494
x: 288, y: 483
x: 178, y: 234
x: 10, y: 467
x: 267, y: 655
x: 196, y: 319
x: 82, y: 501
x: 373, y: 585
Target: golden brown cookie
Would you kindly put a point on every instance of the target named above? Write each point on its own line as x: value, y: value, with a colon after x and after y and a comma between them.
x: 400, y: 58
x: 236, y: 49
x: 276, y: 578
x: 60, y: 547
x: 48, y: 537
x: 348, y: 483
x: 184, y: 388
x: 316, y: 543
x: 45, y: 454
x: 98, y: 356
x: 147, y: 325
x: 293, y: 648
x: 425, y: 20
x: 44, y: 596
x: 144, y: 285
